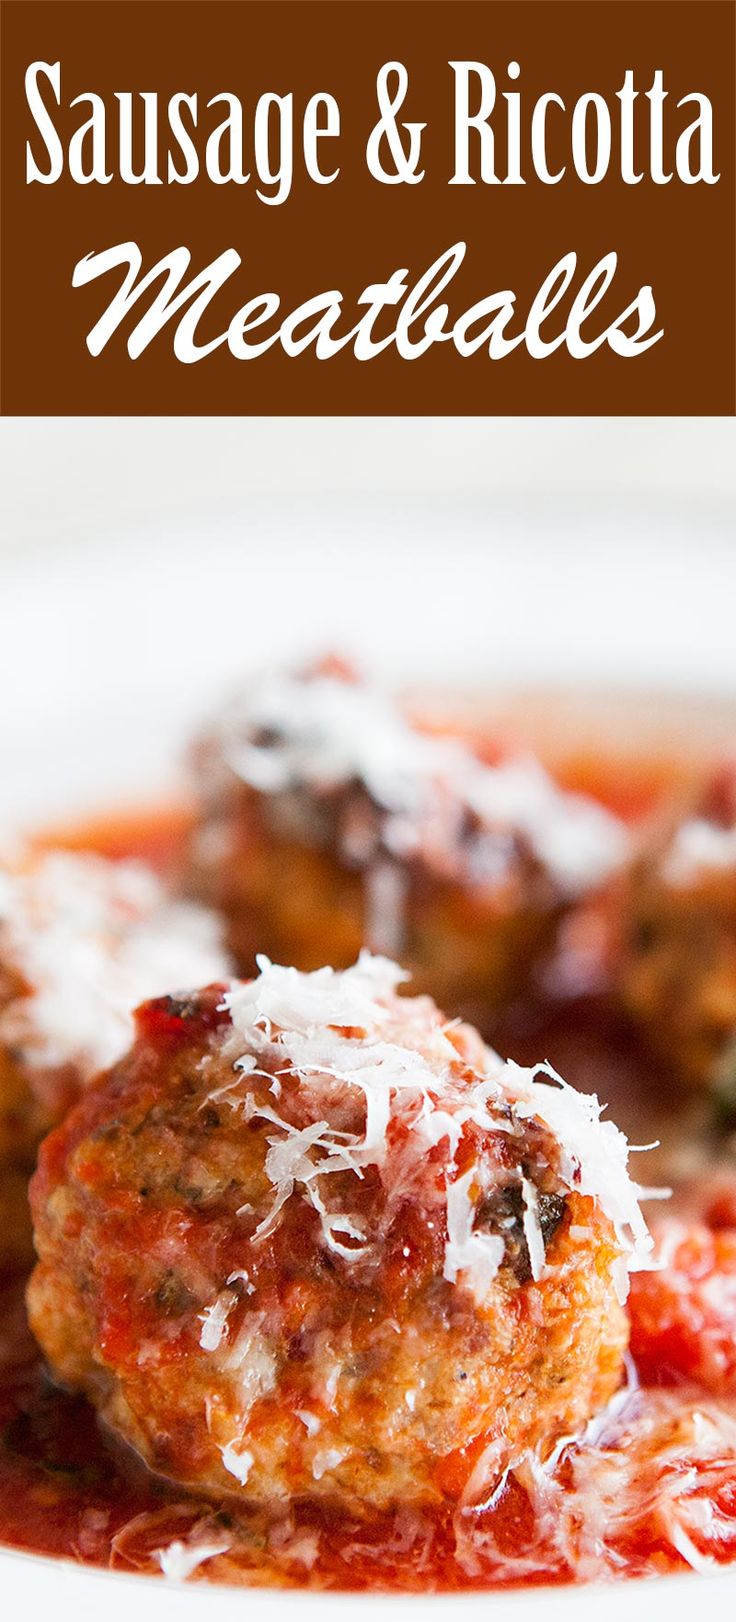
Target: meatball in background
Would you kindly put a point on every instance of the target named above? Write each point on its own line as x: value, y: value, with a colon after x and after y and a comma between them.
x: 330, y: 821
x: 82, y: 941
x: 674, y: 930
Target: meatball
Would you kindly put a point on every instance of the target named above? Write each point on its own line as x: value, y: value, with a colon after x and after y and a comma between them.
x: 675, y: 940
x: 329, y: 821
x: 307, y: 1238
x: 82, y: 941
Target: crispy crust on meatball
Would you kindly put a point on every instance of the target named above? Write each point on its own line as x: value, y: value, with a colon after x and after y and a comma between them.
x: 306, y: 1239
x: 329, y: 821
x: 675, y: 940
x: 82, y: 940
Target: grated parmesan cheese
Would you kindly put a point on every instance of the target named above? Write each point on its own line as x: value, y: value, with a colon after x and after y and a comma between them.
x: 179, y: 1560
x: 348, y: 1036
x: 593, y: 1160
x: 654, y: 1456
x: 699, y: 846
x: 214, y: 1321
x: 251, y: 1359
x: 385, y: 897
x: 475, y: 1256
x: 91, y: 939
x: 310, y: 1421
x: 237, y: 1460
x: 327, y: 1460
x: 532, y: 1229
x: 322, y: 733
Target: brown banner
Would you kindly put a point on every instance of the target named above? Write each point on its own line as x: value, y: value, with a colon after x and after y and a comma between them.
x: 425, y: 206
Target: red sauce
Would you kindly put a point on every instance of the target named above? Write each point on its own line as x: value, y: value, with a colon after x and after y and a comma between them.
x: 155, y: 835
x: 67, y: 1489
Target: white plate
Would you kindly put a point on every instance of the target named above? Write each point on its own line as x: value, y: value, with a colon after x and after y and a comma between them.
x: 107, y: 657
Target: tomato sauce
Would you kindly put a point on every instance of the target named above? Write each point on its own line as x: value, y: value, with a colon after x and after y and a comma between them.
x: 67, y: 1489
x: 155, y: 835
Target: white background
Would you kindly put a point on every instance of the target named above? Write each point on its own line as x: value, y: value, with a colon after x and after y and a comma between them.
x: 63, y: 479
x: 147, y: 564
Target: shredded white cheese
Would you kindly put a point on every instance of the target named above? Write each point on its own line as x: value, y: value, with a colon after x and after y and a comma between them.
x: 475, y: 1256
x: 237, y: 1460
x: 311, y: 1422
x: 385, y: 896
x: 327, y: 1460
x: 240, y: 1276
x: 365, y: 1059
x: 697, y: 847
x: 214, y: 1321
x: 179, y: 1560
x: 320, y: 733
x: 91, y: 939
x: 532, y: 1229
x: 252, y: 1361
x: 593, y: 1159
x: 652, y: 1456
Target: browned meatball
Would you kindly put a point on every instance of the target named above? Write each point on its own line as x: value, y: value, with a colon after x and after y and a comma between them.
x: 82, y: 941
x: 329, y: 821
x: 675, y: 940
x: 309, y: 1239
